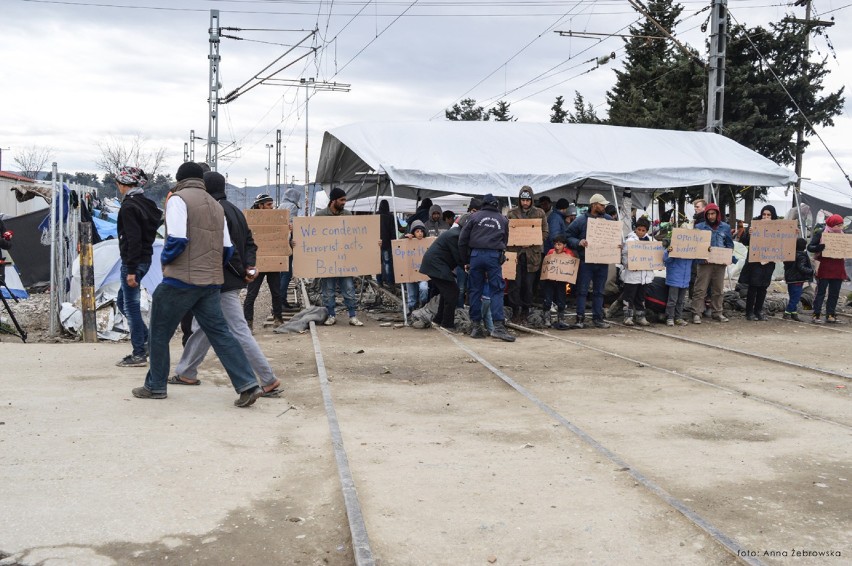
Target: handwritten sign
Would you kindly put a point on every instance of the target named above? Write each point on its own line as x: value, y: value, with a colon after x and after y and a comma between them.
x: 510, y: 267
x: 723, y: 256
x: 690, y: 244
x: 773, y: 240
x: 336, y: 246
x: 604, y: 238
x: 525, y: 232
x: 407, y: 256
x: 644, y: 256
x: 560, y: 267
x: 271, y: 232
x: 837, y: 245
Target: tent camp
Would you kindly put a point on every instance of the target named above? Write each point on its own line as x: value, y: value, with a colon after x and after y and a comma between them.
x: 426, y: 159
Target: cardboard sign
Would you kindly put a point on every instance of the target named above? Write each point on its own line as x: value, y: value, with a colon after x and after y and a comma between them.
x: 773, y: 240
x: 336, y: 246
x: 525, y: 232
x: 604, y: 238
x: 837, y: 245
x: 407, y: 256
x: 560, y: 267
x: 723, y: 256
x: 271, y: 232
x: 510, y: 267
x: 644, y: 256
x: 690, y: 244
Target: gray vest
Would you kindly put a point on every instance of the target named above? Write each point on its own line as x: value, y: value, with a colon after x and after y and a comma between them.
x: 200, y: 263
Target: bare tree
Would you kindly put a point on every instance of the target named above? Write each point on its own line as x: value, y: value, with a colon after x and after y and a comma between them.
x: 117, y: 153
x: 31, y: 160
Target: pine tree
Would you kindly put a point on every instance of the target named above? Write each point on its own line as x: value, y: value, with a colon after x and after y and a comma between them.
x: 558, y: 114
x: 583, y: 113
x: 467, y: 110
x: 501, y: 112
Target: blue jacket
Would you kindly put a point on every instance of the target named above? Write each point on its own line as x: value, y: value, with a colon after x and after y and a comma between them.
x: 556, y: 225
x: 678, y: 271
x: 576, y: 231
x: 721, y: 237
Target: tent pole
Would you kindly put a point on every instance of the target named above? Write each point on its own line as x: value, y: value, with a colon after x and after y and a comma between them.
x: 620, y: 211
x: 53, y: 250
x: 401, y: 285
x: 799, y: 211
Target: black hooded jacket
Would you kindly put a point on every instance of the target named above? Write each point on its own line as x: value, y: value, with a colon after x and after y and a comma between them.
x: 138, y: 220
x: 755, y: 273
x: 387, y: 225
x: 245, y: 250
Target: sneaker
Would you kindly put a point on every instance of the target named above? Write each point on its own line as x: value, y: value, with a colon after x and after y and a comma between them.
x: 145, y: 393
x: 830, y: 318
x: 133, y: 361
x: 353, y: 321
x: 477, y: 331
x: 628, y: 322
x: 720, y: 318
x: 786, y: 316
x: 794, y: 316
x: 817, y: 320
x: 751, y: 317
x: 669, y: 322
x: 248, y: 397
x: 330, y: 321
x: 762, y: 316
x: 681, y: 322
x: 696, y: 319
x: 600, y: 323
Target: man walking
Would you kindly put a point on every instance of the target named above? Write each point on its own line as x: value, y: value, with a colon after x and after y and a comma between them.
x: 335, y: 207
x: 596, y: 273
x: 529, y: 257
x: 138, y: 220
x: 238, y: 271
x: 482, y: 247
x: 197, y: 246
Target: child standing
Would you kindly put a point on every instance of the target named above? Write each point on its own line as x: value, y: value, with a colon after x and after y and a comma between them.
x: 678, y: 272
x: 830, y: 273
x: 796, y: 274
x: 554, y: 291
x: 418, y: 293
x: 633, y: 294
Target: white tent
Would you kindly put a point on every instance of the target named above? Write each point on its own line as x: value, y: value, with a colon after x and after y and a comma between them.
x: 426, y: 159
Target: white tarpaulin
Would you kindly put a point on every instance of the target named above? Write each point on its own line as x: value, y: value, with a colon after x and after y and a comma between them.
x: 425, y: 159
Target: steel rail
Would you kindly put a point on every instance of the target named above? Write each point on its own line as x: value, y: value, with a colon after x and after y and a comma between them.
x: 730, y: 544
x: 358, y: 529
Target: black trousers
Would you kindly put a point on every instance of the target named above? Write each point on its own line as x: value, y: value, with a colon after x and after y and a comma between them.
x: 634, y: 295
x: 274, y: 282
x: 754, y: 299
x: 521, y: 289
x: 449, y: 292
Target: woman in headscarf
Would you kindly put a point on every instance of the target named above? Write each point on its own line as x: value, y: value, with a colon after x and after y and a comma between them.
x: 757, y: 275
x: 831, y: 271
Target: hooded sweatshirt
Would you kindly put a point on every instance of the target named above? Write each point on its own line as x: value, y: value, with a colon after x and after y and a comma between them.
x: 435, y: 228
x: 800, y: 269
x: 138, y: 220
x: 721, y: 231
x: 533, y: 253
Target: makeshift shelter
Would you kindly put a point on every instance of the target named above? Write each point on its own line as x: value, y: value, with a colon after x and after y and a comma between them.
x: 107, y: 264
x: 13, y: 286
x: 426, y: 159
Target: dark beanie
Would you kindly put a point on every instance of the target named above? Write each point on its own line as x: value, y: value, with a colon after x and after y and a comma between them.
x: 336, y: 193
x: 215, y: 184
x: 489, y: 199
x: 475, y: 204
x: 562, y: 204
x: 189, y: 170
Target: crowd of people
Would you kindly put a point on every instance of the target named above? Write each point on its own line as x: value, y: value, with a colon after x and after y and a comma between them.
x: 209, y: 257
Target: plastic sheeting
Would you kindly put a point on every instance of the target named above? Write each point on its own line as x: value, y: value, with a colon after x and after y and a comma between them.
x: 425, y: 159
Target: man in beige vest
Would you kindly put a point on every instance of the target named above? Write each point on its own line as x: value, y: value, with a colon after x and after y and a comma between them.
x: 197, y: 246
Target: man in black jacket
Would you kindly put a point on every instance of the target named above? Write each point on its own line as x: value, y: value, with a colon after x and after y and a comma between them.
x: 482, y: 245
x: 239, y: 271
x: 138, y: 220
x: 439, y: 263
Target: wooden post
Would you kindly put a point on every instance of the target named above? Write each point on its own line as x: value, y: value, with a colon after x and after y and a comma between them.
x: 87, y: 284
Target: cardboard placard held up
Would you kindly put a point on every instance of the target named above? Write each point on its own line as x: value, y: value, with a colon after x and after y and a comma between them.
x: 604, y: 238
x: 510, y: 267
x: 271, y: 232
x: 560, y: 267
x: 525, y: 232
x: 773, y: 240
x: 407, y: 257
x: 336, y: 246
x: 644, y: 256
x: 690, y: 244
x: 723, y: 256
x: 837, y: 245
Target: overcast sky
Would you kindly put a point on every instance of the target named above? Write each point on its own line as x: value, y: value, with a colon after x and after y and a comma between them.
x: 76, y: 73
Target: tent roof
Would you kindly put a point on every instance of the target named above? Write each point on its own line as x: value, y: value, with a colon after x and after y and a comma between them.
x: 474, y: 158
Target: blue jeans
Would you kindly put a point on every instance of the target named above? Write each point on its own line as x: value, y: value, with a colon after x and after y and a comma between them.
x: 794, y: 290
x: 168, y: 306
x: 387, y: 276
x: 554, y: 292
x: 286, y: 277
x: 417, y: 292
x: 595, y: 273
x: 486, y: 275
x: 347, y: 288
x: 128, y: 304
x: 461, y: 279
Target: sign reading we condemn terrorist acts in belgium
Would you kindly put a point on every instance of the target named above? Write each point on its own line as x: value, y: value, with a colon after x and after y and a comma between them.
x: 336, y: 246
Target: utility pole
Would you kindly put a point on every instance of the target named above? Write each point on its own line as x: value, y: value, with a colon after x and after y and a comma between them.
x: 716, y: 71
x: 269, y: 147
x: 213, y: 86
x: 192, y: 138
x: 185, y: 152
x: 278, y: 168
